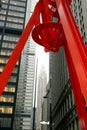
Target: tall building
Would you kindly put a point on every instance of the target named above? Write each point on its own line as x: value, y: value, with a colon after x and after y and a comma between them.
x: 16, y: 101
x: 64, y: 114
x: 41, y: 92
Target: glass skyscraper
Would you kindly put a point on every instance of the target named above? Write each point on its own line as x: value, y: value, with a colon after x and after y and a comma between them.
x: 16, y: 101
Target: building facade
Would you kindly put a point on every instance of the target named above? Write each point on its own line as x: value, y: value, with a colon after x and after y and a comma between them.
x: 41, y: 92
x: 16, y: 101
x: 64, y: 115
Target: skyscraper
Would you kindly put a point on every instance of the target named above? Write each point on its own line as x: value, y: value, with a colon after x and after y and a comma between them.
x: 16, y: 101
x: 41, y: 92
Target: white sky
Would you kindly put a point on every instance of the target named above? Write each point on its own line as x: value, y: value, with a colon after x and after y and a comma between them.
x: 43, y: 59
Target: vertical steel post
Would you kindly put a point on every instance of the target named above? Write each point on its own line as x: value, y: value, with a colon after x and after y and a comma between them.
x: 76, y: 55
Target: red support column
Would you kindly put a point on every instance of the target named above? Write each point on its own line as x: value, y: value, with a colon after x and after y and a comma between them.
x: 76, y: 56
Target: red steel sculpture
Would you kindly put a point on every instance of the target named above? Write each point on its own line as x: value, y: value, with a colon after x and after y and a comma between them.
x: 52, y: 25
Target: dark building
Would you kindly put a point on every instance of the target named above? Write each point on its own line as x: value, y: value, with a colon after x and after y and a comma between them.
x: 12, y: 16
x: 64, y: 115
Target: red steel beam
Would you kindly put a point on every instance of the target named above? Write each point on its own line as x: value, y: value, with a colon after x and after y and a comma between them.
x: 74, y: 47
x: 76, y: 55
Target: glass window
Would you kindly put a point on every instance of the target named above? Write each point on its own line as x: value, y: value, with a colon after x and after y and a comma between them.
x: 1, y: 69
x: 14, y: 25
x: 0, y: 36
x: 15, y: 70
x: 4, y: 1
x: 3, y: 60
x: 2, y: 17
x: 1, y: 23
x: 70, y: 100
x: 13, y: 79
x: 15, y: 8
x: 8, y: 45
x: 4, y: 6
x: 3, y: 12
x: 10, y: 38
x: 13, y: 2
x: 6, y: 110
x: 18, y: 14
x: 15, y: 20
x: 72, y: 97
x: 5, y: 122
x: 5, y: 52
x: 6, y: 98
x: 9, y: 89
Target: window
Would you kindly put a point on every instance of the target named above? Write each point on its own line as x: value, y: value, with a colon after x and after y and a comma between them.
x: 15, y: 8
x: 4, y: 6
x: 2, y: 17
x: 1, y: 23
x: 5, y: 52
x: 4, y: 1
x: 14, y: 25
x: 3, y: 60
x: 17, y: 3
x: 1, y: 69
x: 5, y: 122
x: 9, y: 89
x: 3, y: 12
x: 6, y: 110
x: 0, y: 36
x: 13, y: 79
x: 15, y: 20
x: 6, y: 98
x: 17, y: 14
x: 15, y: 70
x: 8, y: 45
x: 10, y: 38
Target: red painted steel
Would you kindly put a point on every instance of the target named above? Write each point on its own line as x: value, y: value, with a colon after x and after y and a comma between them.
x: 76, y: 56
x: 52, y: 35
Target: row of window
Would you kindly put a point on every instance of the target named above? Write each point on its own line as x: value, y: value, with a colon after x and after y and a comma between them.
x: 7, y: 98
x: 14, y: 71
x: 24, y: 100
x: 15, y: 20
x: 4, y: 60
x: 11, y: 38
x: 6, y: 109
x: 12, y: 13
x: 5, y: 122
x: 78, y: 14
x: 17, y: 3
x: 22, y: 121
x: 9, y: 89
x: 74, y: 125
x: 8, y: 45
x: 14, y: 6
x: 12, y: 19
x: 66, y: 105
x: 5, y: 52
x: 67, y: 109
x: 12, y: 25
